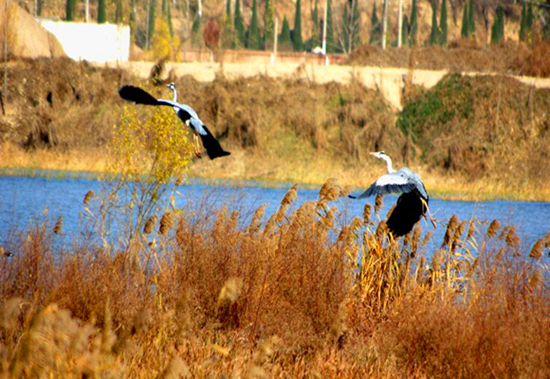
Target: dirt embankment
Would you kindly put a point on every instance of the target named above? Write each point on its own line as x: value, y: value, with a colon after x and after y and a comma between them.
x: 485, y: 128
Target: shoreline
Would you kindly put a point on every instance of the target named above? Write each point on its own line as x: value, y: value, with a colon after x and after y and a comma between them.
x: 439, y: 187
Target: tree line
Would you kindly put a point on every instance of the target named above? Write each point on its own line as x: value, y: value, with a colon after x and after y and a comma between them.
x: 343, y: 27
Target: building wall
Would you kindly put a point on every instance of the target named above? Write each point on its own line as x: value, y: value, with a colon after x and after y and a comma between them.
x: 90, y: 41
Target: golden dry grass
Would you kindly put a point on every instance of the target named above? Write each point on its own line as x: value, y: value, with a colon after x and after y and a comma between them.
x: 300, y: 294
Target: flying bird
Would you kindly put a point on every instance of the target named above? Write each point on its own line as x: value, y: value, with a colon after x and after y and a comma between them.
x: 411, y: 205
x: 185, y: 113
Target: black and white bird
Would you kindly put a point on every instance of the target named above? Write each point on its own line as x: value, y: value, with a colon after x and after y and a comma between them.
x: 411, y: 205
x: 185, y: 113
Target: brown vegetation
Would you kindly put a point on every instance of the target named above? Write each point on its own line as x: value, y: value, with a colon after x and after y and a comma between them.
x: 299, y: 295
x: 461, y: 56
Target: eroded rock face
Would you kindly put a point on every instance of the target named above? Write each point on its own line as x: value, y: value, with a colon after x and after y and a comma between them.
x: 25, y: 37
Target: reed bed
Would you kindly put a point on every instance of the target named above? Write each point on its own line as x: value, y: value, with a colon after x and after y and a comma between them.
x: 210, y: 293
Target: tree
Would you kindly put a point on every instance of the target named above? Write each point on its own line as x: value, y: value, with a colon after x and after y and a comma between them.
x: 405, y: 27
x: 285, y: 42
x: 497, y: 31
x: 350, y: 27
x: 413, y: 28
x: 69, y: 10
x: 471, y: 19
x: 119, y: 12
x: 434, y: 33
x: 253, y: 40
x: 315, y: 35
x: 529, y: 23
x: 465, y: 30
x: 331, y: 46
x: 239, y: 25
x: 167, y: 12
x: 443, y: 34
x: 384, y: 23
x: 133, y: 21
x: 375, y: 25
x: 269, y: 24
x: 523, y: 22
x: 227, y: 27
x: 297, y: 41
x: 151, y: 25
x: 101, y: 12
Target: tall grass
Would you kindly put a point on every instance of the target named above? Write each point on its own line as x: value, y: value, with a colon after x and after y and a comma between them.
x: 205, y: 293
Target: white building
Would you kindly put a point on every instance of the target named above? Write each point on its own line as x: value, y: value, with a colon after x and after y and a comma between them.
x: 90, y: 41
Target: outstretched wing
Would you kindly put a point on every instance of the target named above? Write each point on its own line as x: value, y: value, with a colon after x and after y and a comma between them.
x: 408, y: 211
x: 395, y: 182
x: 137, y: 95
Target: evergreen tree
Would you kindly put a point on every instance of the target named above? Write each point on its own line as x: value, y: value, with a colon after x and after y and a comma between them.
x: 239, y: 25
x: 443, y: 35
x: 471, y: 19
x: 497, y: 30
x: 522, y: 22
x: 356, y: 37
x: 151, y: 26
x: 269, y: 24
x: 119, y: 12
x: 69, y: 10
x: 405, y: 27
x: 433, y: 34
x: 375, y: 31
x: 285, y: 42
x: 101, y: 12
x: 253, y: 40
x: 465, y: 31
x: 331, y: 46
x: 413, y: 29
x: 227, y: 27
x: 529, y: 23
x: 297, y: 35
x: 39, y: 7
x: 315, y: 35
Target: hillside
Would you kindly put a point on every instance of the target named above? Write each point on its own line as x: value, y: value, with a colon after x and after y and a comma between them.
x: 477, y: 136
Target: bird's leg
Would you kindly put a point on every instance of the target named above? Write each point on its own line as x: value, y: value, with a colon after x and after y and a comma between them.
x: 196, y: 145
x: 429, y: 213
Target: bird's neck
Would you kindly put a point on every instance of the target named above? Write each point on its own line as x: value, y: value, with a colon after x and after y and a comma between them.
x: 175, y: 94
x: 388, y: 163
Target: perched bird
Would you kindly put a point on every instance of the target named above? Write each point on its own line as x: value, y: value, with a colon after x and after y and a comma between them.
x: 185, y: 113
x: 411, y: 205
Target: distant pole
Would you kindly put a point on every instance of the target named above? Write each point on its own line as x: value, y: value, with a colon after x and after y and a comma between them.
x: 87, y: 10
x: 399, y: 23
x: 324, y: 46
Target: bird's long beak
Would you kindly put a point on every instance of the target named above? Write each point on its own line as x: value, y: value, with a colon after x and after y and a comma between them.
x: 372, y: 153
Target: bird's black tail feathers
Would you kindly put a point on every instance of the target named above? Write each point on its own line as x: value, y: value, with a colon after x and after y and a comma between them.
x: 212, y: 146
x: 407, y: 212
x: 137, y: 95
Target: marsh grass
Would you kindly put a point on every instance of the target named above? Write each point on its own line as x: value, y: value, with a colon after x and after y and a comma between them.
x: 299, y: 294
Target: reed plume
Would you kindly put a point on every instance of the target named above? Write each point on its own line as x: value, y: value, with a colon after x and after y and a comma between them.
x: 89, y: 195
x: 150, y: 225
x: 378, y: 202
x: 493, y: 229
x: 166, y: 223
x: 58, y: 225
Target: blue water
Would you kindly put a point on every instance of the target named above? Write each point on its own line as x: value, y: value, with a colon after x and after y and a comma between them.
x: 24, y: 200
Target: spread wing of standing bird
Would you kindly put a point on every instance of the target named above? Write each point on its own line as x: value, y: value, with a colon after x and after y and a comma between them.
x: 184, y: 112
x: 411, y: 205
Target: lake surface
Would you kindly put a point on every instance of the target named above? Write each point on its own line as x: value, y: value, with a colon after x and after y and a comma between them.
x: 23, y: 200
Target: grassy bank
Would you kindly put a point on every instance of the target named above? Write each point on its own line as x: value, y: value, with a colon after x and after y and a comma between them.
x: 468, y: 137
x: 199, y: 292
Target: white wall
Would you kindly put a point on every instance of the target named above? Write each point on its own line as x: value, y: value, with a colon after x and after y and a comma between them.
x: 90, y: 41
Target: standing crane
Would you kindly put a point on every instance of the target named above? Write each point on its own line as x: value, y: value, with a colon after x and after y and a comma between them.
x: 184, y: 112
x: 411, y: 205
